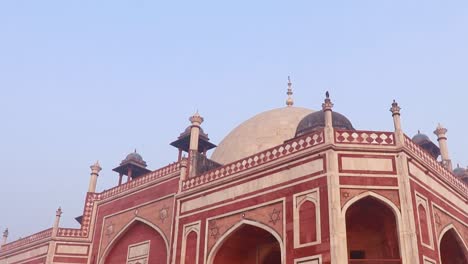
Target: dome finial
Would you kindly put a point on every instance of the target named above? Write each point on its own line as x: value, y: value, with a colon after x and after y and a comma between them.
x: 289, y: 101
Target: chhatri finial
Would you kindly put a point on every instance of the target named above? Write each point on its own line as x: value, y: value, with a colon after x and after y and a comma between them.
x: 395, y: 109
x: 58, y: 212
x: 327, y: 104
x: 196, y: 119
x: 95, y: 168
x: 440, y: 131
x: 289, y: 101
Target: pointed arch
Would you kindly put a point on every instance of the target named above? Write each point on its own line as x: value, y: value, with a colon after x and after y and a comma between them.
x: 377, y: 196
x: 233, y: 229
x: 124, y: 230
x: 424, y: 230
x: 308, y: 223
x: 189, y: 241
x: 382, y: 201
x: 458, y: 236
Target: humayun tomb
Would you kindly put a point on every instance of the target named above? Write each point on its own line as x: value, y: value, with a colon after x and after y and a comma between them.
x: 289, y: 185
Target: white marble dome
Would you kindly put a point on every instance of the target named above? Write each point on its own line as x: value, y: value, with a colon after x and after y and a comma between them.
x: 261, y: 132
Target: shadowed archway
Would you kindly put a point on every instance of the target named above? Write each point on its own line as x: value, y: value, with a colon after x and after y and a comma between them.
x: 248, y: 244
x: 452, y: 250
x: 133, y: 241
x: 372, y: 232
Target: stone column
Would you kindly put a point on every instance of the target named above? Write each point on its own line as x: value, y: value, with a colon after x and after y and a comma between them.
x: 407, y: 230
x: 399, y: 136
x: 95, y: 169
x: 444, y: 153
x: 58, y: 214
x: 196, y: 121
x: 327, y: 110
x: 183, y: 171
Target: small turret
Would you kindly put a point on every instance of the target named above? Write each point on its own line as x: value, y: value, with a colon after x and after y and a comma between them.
x: 132, y: 166
x: 424, y: 142
x: 196, y: 143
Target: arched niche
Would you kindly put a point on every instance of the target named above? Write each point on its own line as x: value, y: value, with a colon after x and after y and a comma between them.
x: 248, y: 242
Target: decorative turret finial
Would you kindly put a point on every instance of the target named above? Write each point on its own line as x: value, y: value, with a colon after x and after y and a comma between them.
x: 395, y: 109
x: 96, y: 168
x: 196, y: 119
x: 289, y: 101
x: 327, y: 104
x: 58, y: 213
x: 440, y: 131
x: 5, y: 237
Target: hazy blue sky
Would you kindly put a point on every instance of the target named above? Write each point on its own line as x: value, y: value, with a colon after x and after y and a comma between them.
x: 87, y: 80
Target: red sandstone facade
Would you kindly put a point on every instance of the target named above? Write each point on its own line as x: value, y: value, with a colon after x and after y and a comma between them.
x: 327, y: 196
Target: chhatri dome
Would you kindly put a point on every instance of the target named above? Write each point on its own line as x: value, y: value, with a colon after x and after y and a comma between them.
x: 272, y: 128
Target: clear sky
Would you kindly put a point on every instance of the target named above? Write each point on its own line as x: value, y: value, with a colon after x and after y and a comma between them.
x: 82, y: 81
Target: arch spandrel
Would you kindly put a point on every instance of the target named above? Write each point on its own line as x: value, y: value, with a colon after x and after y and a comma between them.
x: 349, y: 194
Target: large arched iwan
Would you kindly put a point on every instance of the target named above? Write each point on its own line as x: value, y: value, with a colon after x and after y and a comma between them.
x: 372, y: 232
x: 249, y: 244
x: 452, y: 250
x: 137, y: 233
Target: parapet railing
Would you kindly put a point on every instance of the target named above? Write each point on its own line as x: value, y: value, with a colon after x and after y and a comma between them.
x: 379, y: 138
x: 27, y: 240
x: 288, y: 148
x: 149, y: 177
x: 443, y: 173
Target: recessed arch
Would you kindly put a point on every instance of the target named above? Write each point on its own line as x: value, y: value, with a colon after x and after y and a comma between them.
x: 218, y: 245
x: 451, y: 230
x: 388, y: 243
x: 124, y: 230
x: 308, y: 223
x: 423, y: 224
